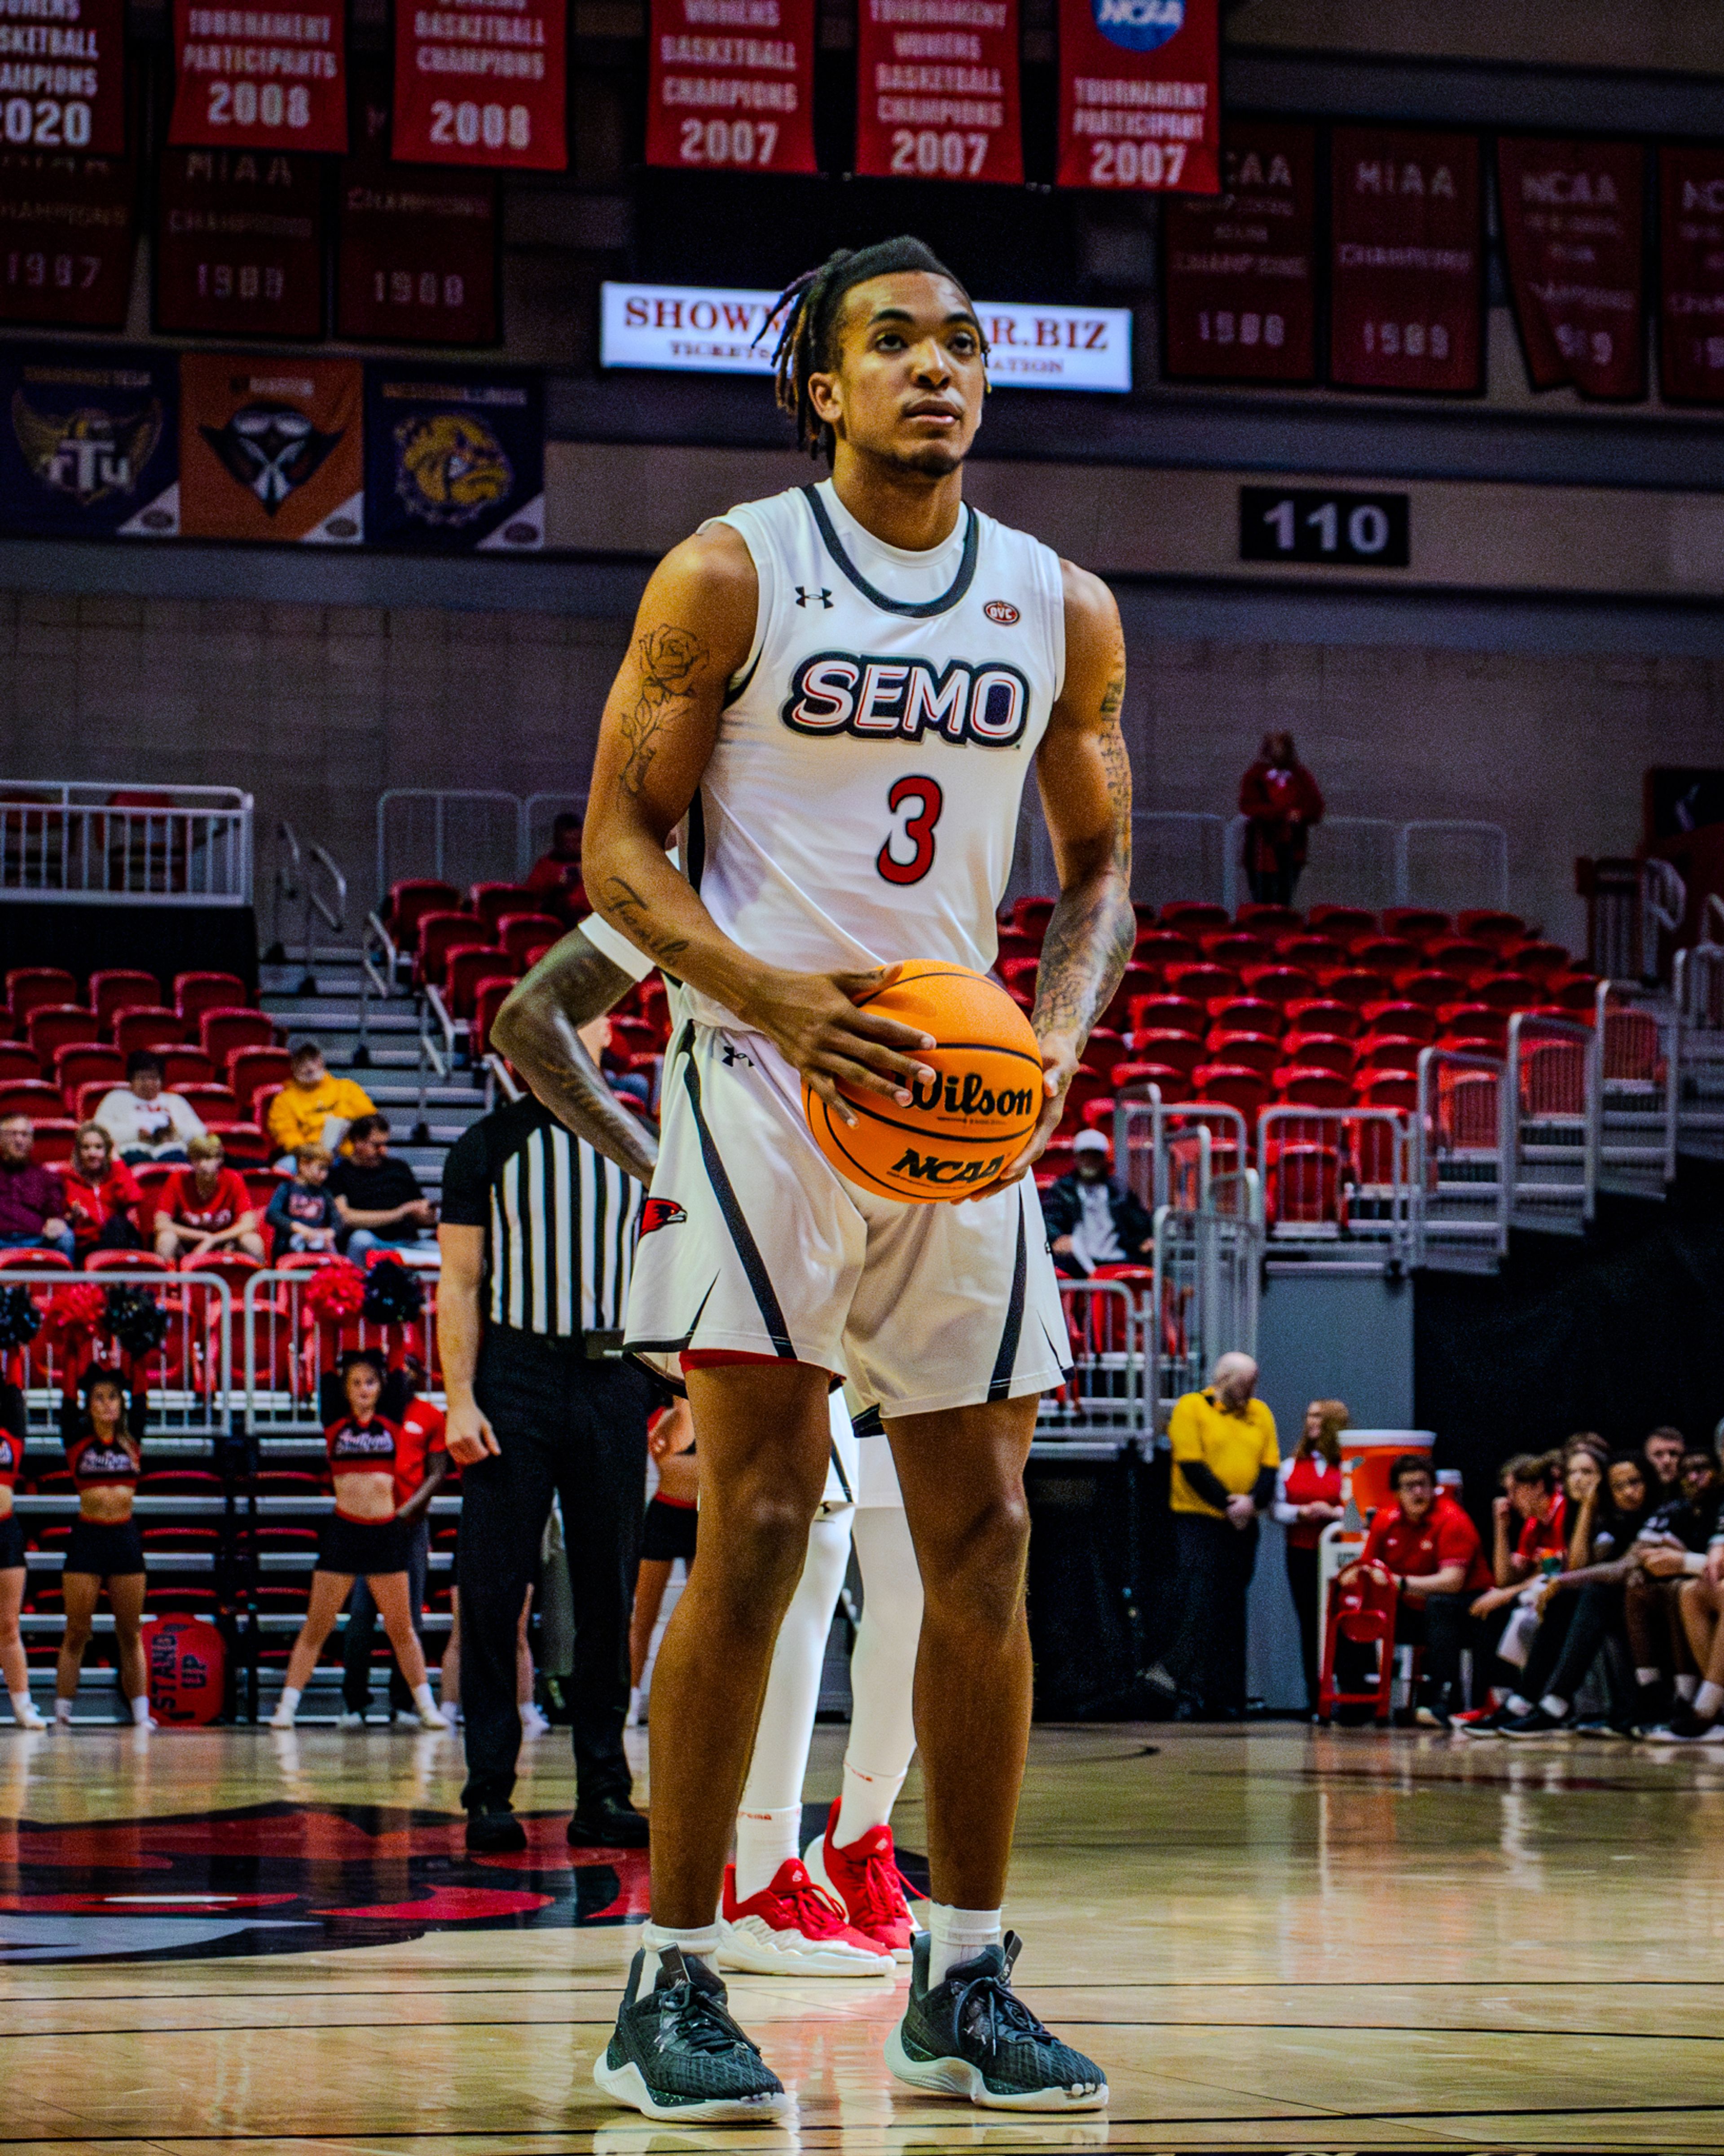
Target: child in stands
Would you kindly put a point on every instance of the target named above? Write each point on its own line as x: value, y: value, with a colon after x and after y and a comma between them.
x: 302, y: 1215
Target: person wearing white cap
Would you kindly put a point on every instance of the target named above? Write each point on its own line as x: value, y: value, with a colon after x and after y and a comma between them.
x: 1092, y: 1219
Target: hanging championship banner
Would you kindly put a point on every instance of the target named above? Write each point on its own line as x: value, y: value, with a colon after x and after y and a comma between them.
x: 936, y: 90
x: 483, y: 84
x: 417, y: 249
x: 67, y: 59
x: 1140, y: 95
x: 1407, y: 297
x: 731, y: 85
x: 259, y: 78
x: 65, y: 239
x: 271, y: 449
x: 454, y: 461
x: 239, y: 244
x: 89, y: 442
x: 1239, y: 270
x: 1572, y: 235
x: 1690, y: 245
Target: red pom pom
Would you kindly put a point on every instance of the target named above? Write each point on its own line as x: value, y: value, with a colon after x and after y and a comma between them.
x: 80, y: 1307
x: 334, y: 1291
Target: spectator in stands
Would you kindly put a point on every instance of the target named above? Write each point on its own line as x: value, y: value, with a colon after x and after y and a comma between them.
x: 206, y: 1206
x: 379, y: 1200
x: 1671, y: 1549
x: 98, y: 1193
x: 302, y: 1215
x: 315, y: 1107
x: 146, y: 1123
x: 1664, y: 1449
x: 1432, y: 1551
x: 32, y: 1202
x: 1532, y: 1495
x: 557, y: 874
x: 1225, y: 1461
x: 596, y: 1037
x: 1307, y: 1500
x: 1280, y: 800
x: 1093, y: 1219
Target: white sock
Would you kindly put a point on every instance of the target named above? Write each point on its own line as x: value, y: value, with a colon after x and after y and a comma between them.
x: 957, y: 1935
x: 423, y: 1699
x: 867, y: 1802
x: 141, y: 1709
x: 1516, y: 1704
x: 1686, y: 1687
x: 1554, y: 1706
x: 1707, y: 1701
x: 62, y: 1710
x: 1648, y: 1676
x: 290, y: 1697
x: 700, y: 1944
x: 764, y: 1841
x: 22, y: 1706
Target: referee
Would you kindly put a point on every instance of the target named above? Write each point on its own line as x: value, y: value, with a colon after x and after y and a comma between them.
x: 537, y: 1234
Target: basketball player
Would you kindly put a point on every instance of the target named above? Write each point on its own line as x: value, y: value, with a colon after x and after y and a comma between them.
x: 831, y: 704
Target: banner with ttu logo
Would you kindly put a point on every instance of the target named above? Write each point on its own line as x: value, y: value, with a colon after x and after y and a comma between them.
x: 696, y: 329
x: 89, y: 442
x: 260, y: 78
x: 271, y: 449
x: 1140, y: 95
x: 454, y: 460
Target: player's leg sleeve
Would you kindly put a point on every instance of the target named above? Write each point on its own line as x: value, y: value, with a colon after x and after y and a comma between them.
x: 792, y: 1695
x: 883, y: 1667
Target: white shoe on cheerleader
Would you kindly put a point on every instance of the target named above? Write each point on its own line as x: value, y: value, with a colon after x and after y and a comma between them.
x: 792, y: 1928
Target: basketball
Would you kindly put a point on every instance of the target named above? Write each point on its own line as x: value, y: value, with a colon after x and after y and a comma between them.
x: 972, y: 1123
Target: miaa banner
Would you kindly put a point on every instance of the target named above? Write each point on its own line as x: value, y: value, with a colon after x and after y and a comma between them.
x: 454, y: 460
x: 936, y: 90
x: 239, y: 244
x: 1571, y: 231
x: 1407, y: 293
x: 89, y: 445
x: 485, y: 83
x: 731, y: 85
x: 1140, y: 95
x: 259, y: 78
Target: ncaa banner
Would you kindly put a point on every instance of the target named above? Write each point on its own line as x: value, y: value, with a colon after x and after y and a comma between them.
x: 1239, y: 270
x: 1571, y: 232
x: 259, y: 78
x: 731, y: 85
x: 418, y: 245
x: 1690, y: 245
x: 271, y: 449
x: 89, y: 442
x: 454, y: 461
x: 65, y: 239
x: 67, y: 59
x: 1140, y: 95
x: 485, y: 83
x: 239, y: 244
x: 936, y: 90
x: 1407, y: 291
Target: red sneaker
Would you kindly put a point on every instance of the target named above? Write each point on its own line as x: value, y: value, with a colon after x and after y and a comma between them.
x: 864, y: 1879
x: 792, y: 1928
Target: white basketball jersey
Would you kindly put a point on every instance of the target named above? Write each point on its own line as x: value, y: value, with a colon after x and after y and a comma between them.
x: 861, y: 804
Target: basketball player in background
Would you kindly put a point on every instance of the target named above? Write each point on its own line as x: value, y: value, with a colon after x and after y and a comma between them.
x: 830, y: 706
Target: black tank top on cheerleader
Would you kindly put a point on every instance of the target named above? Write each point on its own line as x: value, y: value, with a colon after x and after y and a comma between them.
x: 12, y: 1458
x: 360, y: 1448
x: 97, y: 1464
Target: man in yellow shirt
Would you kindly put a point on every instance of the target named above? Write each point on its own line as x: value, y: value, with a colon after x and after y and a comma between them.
x: 1225, y: 1460
x: 314, y: 1107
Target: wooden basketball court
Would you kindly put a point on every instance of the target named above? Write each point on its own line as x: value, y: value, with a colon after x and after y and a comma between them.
x: 1273, y: 1938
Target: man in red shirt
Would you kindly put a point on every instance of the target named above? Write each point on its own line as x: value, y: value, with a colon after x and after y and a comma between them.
x: 1432, y: 1550
x: 420, y: 1458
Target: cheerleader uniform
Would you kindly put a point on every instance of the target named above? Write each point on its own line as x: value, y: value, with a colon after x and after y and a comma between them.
x: 109, y: 1549
x: 363, y: 1547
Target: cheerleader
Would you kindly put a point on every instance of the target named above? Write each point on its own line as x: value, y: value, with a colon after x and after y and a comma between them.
x: 14, y: 1664
x: 365, y: 1537
x: 106, y: 1547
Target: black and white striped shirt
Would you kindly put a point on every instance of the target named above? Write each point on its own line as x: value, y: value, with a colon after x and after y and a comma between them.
x: 561, y: 1221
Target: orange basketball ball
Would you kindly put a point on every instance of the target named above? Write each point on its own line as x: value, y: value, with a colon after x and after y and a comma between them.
x: 962, y: 1130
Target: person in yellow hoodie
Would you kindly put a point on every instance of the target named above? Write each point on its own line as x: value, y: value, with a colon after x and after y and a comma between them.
x: 315, y: 1107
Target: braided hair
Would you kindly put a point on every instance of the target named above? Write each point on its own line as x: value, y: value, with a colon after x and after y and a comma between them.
x: 807, y: 310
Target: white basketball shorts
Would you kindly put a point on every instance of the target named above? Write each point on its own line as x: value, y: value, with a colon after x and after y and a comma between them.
x: 751, y: 1244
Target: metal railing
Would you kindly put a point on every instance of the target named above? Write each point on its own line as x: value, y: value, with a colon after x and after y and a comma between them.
x: 461, y: 835
x: 1349, y: 861
x: 1374, y: 862
x: 1170, y: 1152
x: 1106, y: 1395
x: 1451, y: 863
x: 1640, y: 1053
x: 1205, y: 1288
x: 289, y: 1350
x: 1336, y: 1176
x: 1551, y: 1159
x: 1663, y: 908
x: 151, y: 845
x: 299, y: 875
x: 188, y: 1375
x: 1461, y: 1140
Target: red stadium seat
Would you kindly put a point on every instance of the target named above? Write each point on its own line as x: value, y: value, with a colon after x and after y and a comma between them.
x: 1305, y: 1088
x: 52, y: 1026
x: 491, y: 902
x: 1165, y: 946
x: 1382, y: 1055
x: 249, y: 1068
x: 231, y: 1265
x: 1055, y: 1161
x: 124, y: 1261
x: 1553, y: 1080
x: 1358, y: 986
x: 28, y: 987
x: 84, y: 1099
x: 245, y: 1143
x: 441, y: 934
x: 1281, y: 984
x: 1510, y: 991
x: 54, y: 1140
x: 214, y: 1104
x: 489, y: 998
x: 1192, y: 916
x: 1485, y: 1031
x: 261, y: 1185
x: 1539, y: 960
x: 1346, y: 925
x: 1105, y: 1051
x: 1009, y: 944
x: 1385, y: 954
x: 1270, y: 921
x: 1137, y: 980
x: 1364, y: 1614
x: 116, y: 988
x: 1030, y: 917
x: 1203, y: 983
x: 1574, y: 993
x: 31, y: 1096
x: 1301, y: 1185
x: 520, y: 932
x: 83, y: 1064
x: 224, y: 1028
x: 1455, y: 954
x: 1018, y: 974
x: 1323, y: 1014
x: 1320, y: 1051
x: 1174, y: 1083
x: 1317, y: 954
x: 1489, y: 924
x: 1236, y: 947
x: 1395, y: 1016
x: 1432, y: 989
x: 186, y: 1066
x: 1086, y: 1085
x: 410, y: 900
x: 18, y: 1062
x: 194, y: 993
x: 1244, y: 1051
x: 1386, y: 1089
x: 1419, y: 924
x: 1232, y: 1086
x: 467, y: 968
x: 1248, y: 1014
x: 1169, y: 1014
x: 134, y: 1029
x: 34, y: 1261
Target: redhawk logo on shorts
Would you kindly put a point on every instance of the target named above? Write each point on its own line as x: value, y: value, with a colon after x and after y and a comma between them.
x: 660, y: 1213
x: 1001, y: 610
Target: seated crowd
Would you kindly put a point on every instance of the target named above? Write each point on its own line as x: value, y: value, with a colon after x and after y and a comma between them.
x: 1596, y: 1610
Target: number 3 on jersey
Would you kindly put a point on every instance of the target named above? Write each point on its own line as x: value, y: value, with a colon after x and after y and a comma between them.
x: 923, y: 799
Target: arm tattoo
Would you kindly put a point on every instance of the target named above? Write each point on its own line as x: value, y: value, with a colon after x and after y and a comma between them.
x: 630, y: 911
x: 536, y: 1028
x: 1091, y: 935
x: 668, y: 660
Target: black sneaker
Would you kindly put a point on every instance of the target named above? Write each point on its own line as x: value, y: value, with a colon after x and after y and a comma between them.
x: 1686, y: 1726
x: 1484, y: 1725
x: 972, y: 2036
x: 610, y: 1822
x: 1536, y: 1722
x: 677, y: 2053
x: 494, y: 1833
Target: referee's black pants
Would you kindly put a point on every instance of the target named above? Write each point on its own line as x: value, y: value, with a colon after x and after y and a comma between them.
x: 577, y: 1427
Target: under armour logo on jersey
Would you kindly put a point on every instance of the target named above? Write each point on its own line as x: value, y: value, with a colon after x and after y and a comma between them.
x: 733, y: 1056
x: 804, y: 597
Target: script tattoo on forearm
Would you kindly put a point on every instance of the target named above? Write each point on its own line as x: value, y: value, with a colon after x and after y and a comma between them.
x: 1090, y: 935
x: 631, y: 912
x: 668, y: 662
